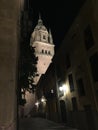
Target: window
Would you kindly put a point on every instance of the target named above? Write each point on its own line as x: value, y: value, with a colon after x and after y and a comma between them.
x: 42, y: 51
x: 70, y: 78
x: 88, y: 37
x: 45, y: 51
x: 74, y: 104
x: 67, y: 61
x: 44, y: 37
x: 80, y: 86
x: 49, y: 52
x: 94, y: 66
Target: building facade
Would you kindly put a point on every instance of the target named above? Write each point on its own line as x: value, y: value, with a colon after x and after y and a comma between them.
x: 9, y: 46
x: 73, y: 79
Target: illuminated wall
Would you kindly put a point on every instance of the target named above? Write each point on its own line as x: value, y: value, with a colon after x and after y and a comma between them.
x: 42, y: 40
x: 9, y: 16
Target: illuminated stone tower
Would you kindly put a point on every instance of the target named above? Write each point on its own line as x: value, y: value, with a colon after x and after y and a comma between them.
x: 42, y: 40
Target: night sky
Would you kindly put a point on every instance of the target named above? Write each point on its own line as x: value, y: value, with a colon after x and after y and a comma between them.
x: 56, y: 16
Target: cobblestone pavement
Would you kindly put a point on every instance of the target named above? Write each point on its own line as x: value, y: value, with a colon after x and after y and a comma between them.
x: 41, y: 124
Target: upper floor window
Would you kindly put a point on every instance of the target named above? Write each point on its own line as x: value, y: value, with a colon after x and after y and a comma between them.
x: 74, y: 104
x: 88, y: 37
x: 80, y: 86
x: 94, y: 66
x: 67, y: 61
x: 70, y: 78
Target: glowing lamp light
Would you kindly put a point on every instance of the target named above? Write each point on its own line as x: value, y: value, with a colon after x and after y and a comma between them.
x: 21, y: 89
x: 63, y: 88
x: 52, y: 91
x: 37, y: 103
x: 43, y: 99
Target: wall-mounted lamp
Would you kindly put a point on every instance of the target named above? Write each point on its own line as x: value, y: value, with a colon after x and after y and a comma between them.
x: 43, y: 99
x: 64, y: 89
x: 37, y: 103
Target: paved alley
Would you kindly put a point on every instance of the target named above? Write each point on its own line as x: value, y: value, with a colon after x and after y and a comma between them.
x: 41, y: 124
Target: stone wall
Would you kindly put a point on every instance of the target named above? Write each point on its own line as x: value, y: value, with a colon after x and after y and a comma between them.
x: 9, y: 14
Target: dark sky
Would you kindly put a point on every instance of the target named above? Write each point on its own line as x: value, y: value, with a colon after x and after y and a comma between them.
x: 56, y: 15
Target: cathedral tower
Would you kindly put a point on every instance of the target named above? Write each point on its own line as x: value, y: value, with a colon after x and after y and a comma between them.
x: 42, y: 40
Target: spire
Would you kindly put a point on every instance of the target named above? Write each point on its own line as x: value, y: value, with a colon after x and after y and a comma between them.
x: 49, y: 31
x: 39, y: 16
x: 40, y: 22
x: 50, y: 37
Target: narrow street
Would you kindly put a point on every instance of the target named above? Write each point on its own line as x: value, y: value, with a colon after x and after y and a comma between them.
x: 41, y: 124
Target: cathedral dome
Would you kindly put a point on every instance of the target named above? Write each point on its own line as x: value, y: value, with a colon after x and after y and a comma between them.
x: 41, y: 34
x: 40, y: 25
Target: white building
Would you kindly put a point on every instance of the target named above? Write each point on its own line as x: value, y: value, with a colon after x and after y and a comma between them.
x: 42, y: 40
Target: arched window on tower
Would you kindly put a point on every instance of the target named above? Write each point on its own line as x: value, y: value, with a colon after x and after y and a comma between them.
x: 49, y: 52
x: 44, y: 37
x: 45, y: 51
x: 42, y: 51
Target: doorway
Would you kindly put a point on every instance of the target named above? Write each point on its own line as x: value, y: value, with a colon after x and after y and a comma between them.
x: 63, y: 111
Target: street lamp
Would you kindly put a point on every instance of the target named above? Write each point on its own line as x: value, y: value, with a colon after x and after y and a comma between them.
x: 64, y: 89
x: 37, y: 103
x: 43, y: 99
